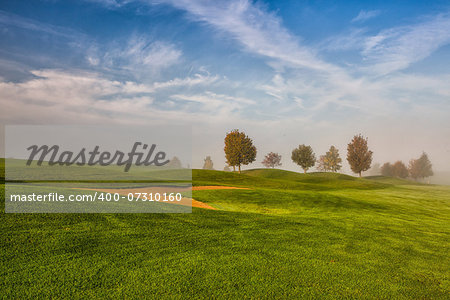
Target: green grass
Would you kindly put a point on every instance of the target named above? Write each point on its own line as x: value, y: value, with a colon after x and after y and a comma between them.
x: 19, y: 171
x: 285, y: 180
x: 289, y: 236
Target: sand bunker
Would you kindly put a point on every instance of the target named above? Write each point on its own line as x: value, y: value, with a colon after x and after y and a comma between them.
x: 216, y: 187
x: 184, y: 200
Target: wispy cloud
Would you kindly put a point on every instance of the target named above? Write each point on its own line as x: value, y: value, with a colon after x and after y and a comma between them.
x: 213, y: 103
x: 158, y: 54
x: 111, y: 3
x: 10, y: 19
x: 197, y: 79
x: 70, y: 93
x: 397, y: 48
x: 138, y: 53
x: 394, y: 48
x: 352, y: 39
x: 258, y: 31
x: 365, y: 15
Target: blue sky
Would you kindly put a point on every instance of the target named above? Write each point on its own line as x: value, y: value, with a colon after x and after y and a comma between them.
x: 286, y: 72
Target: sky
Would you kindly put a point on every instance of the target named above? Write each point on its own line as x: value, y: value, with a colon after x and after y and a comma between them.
x: 284, y: 72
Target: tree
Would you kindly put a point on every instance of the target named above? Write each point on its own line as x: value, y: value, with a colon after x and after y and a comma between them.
x: 239, y: 149
x: 399, y: 169
x: 174, y: 163
x: 414, y: 169
x: 208, y: 165
x: 304, y: 157
x: 387, y: 170
x: 272, y: 160
x: 331, y: 161
x: 358, y: 154
x: 421, y: 167
x: 321, y: 164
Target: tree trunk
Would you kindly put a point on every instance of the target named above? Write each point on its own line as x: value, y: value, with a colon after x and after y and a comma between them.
x: 304, y: 171
x: 239, y: 166
x: 359, y: 174
x: 234, y: 168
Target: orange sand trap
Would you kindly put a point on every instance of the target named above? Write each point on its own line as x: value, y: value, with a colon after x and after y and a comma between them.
x: 184, y: 200
x: 216, y: 187
x: 196, y: 203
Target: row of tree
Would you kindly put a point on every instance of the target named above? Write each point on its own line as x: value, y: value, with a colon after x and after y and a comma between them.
x: 417, y: 168
x: 359, y: 157
x: 304, y: 156
x: 239, y: 150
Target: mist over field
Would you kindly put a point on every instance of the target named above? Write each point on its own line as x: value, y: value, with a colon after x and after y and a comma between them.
x: 386, y: 145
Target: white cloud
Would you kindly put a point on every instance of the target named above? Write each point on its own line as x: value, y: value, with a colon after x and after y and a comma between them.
x: 393, y: 49
x: 157, y: 54
x: 139, y: 54
x: 63, y: 97
x: 94, y: 61
x: 222, y: 106
x: 10, y: 19
x: 299, y: 101
x: 365, y: 15
x: 352, y: 39
x: 261, y: 32
x: 365, y: 96
x: 397, y: 48
x: 197, y: 79
x: 257, y: 30
x: 60, y: 96
x: 112, y: 4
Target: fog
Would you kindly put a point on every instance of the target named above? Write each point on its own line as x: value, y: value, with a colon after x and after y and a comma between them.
x: 388, y: 144
x: 388, y: 141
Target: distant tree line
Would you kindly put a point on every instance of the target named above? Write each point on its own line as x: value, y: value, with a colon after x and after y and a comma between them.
x: 239, y: 150
x: 417, y: 168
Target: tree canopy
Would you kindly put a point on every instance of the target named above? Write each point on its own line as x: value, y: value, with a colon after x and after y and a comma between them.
x: 358, y: 154
x: 239, y: 149
x: 387, y: 170
x: 421, y: 167
x: 331, y: 161
x: 272, y: 160
x: 304, y: 157
x: 400, y: 169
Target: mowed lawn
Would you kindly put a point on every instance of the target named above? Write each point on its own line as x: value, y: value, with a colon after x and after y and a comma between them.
x: 289, y: 235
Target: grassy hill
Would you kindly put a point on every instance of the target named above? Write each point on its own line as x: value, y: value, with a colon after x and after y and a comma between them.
x: 288, y: 235
x: 280, y: 179
x: 316, y: 177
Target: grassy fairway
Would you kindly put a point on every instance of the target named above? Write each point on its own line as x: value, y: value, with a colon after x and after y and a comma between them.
x: 289, y: 236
